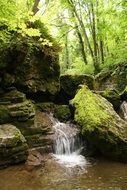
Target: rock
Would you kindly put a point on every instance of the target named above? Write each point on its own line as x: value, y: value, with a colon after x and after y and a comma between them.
x: 12, y: 95
x: 45, y: 106
x: 15, y: 107
x: 30, y: 65
x: 112, y: 96
x: 4, y: 114
x: 35, y: 159
x: 21, y: 111
x: 113, y: 78
x: 62, y: 112
x: 123, y: 110
x: 101, y: 125
x: 123, y: 94
x: 37, y: 132
x: 13, y: 146
x: 69, y: 85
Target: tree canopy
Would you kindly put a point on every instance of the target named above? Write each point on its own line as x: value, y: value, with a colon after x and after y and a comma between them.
x: 92, y: 33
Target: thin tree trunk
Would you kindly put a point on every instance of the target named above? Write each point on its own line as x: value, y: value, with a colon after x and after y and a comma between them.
x: 67, y: 62
x: 35, y: 7
x: 102, y: 51
x: 82, y: 27
x: 96, y: 61
x: 82, y: 46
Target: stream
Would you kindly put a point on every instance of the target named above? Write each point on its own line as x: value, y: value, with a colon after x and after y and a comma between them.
x: 100, y: 175
x: 66, y: 168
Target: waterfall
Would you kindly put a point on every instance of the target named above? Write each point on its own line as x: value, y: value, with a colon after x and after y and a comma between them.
x: 67, y: 145
x: 123, y: 110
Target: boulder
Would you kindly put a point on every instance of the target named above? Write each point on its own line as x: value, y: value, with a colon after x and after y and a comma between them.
x: 69, y: 85
x: 13, y: 146
x: 112, y: 96
x: 101, y: 125
x: 113, y: 78
x: 15, y: 107
x: 62, y: 112
x: 29, y: 63
x: 38, y: 132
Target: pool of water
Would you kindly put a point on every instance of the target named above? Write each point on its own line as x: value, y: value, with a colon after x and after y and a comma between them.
x: 97, y: 175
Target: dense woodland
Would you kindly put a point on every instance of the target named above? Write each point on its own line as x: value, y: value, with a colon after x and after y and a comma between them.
x: 92, y: 34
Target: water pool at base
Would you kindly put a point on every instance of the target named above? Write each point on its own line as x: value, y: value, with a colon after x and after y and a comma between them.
x: 99, y: 175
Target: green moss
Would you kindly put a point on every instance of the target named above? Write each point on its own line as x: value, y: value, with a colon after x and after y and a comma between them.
x: 90, y: 111
x: 101, y: 126
x: 4, y: 114
x: 62, y: 112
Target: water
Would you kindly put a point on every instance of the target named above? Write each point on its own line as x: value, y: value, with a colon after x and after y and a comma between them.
x: 101, y: 175
x: 68, y: 145
x: 123, y: 110
x: 67, y: 169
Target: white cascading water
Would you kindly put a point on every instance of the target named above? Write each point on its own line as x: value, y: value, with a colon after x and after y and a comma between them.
x: 67, y: 145
x: 123, y: 110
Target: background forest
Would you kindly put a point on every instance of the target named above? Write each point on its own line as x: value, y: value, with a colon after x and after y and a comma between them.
x: 92, y: 33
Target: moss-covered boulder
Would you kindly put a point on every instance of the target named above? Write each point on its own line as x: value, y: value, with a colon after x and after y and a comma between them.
x: 30, y: 63
x: 101, y: 125
x: 15, y: 107
x: 69, y: 85
x: 13, y: 146
x: 112, y: 96
x: 62, y: 112
x: 113, y: 78
x: 4, y: 114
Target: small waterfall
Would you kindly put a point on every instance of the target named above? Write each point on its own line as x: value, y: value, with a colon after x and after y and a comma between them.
x: 123, y: 110
x: 67, y: 145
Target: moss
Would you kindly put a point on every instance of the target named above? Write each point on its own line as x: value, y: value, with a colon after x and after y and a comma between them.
x: 90, y: 111
x: 101, y: 126
x: 62, y: 112
x: 4, y: 114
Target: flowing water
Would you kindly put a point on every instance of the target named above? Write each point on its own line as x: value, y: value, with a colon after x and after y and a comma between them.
x: 68, y: 145
x: 66, y: 168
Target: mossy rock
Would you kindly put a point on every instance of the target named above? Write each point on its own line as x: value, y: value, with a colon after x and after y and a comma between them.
x: 45, y: 106
x: 69, y: 83
x: 112, y: 78
x: 29, y: 63
x: 13, y: 146
x: 101, y: 125
x: 123, y: 94
x: 62, y: 112
x: 113, y: 97
x: 12, y: 95
x: 4, y: 114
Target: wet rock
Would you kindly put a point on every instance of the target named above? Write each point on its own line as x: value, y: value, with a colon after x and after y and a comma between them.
x: 123, y: 110
x: 35, y: 159
x: 13, y: 146
x: 101, y: 125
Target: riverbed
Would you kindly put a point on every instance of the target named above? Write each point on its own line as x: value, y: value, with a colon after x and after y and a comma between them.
x: 98, y: 174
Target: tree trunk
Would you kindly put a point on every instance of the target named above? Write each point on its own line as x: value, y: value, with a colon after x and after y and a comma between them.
x: 96, y: 61
x: 82, y: 46
x: 35, y: 6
